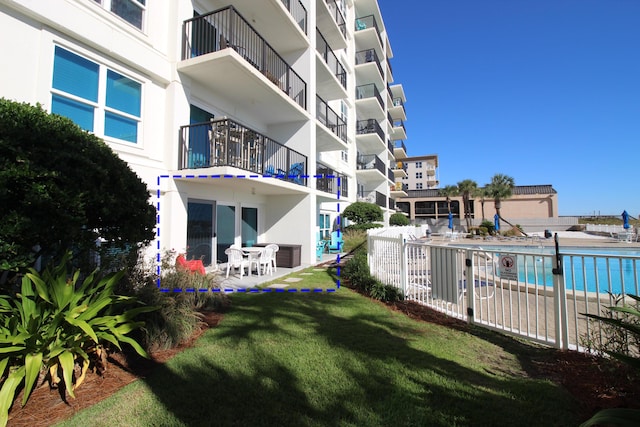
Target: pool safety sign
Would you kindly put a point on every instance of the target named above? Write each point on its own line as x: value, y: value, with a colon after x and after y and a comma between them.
x: 508, y: 267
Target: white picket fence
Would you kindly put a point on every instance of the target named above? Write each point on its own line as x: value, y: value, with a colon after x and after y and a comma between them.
x: 605, y: 228
x: 539, y: 304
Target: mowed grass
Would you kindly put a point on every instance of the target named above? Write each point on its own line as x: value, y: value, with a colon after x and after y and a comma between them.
x: 318, y: 359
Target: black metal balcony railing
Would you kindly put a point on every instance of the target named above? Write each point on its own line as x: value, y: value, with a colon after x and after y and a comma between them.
x: 331, y: 119
x: 370, y: 161
x: 389, y: 118
x: 368, y: 55
x: 331, y: 59
x: 369, y: 91
x: 327, y: 181
x: 390, y: 146
x: 392, y: 204
x: 226, y: 28
x: 337, y: 16
x: 390, y: 175
x: 381, y: 199
x: 224, y: 142
x: 366, y: 22
x: 400, y: 144
x: 298, y: 12
x: 373, y: 197
x: 369, y: 126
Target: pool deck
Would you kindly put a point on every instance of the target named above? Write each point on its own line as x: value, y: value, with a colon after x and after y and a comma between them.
x: 565, y: 238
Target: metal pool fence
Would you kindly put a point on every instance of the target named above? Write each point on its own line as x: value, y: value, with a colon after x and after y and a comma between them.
x: 536, y: 294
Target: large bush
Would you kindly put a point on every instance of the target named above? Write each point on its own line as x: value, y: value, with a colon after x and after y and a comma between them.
x: 362, y: 212
x: 398, y: 219
x: 61, y: 188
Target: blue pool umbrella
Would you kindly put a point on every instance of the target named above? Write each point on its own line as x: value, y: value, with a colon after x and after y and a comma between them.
x: 496, y: 222
x: 625, y: 220
x: 450, y: 220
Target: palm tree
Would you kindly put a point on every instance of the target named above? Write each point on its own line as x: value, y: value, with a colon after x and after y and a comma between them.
x: 483, y: 194
x: 467, y: 187
x: 448, y: 192
x: 500, y: 188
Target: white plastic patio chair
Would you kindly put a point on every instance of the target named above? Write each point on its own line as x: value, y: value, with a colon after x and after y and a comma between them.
x: 275, y: 249
x: 264, y: 262
x: 237, y: 260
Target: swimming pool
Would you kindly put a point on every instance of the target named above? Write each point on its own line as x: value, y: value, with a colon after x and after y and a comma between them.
x: 601, y: 270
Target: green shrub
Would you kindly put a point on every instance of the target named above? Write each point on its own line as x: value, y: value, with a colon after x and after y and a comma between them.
x: 56, y: 322
x: 179, y: 314
x: 398, y: 219
x: 357, y: 271
x: 386, y: 293
x: 489, y: 226
x: 363, y: 212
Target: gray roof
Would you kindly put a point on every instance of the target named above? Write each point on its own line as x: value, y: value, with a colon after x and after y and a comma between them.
x: 517, y: 190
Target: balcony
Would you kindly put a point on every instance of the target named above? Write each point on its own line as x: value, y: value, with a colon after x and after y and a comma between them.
x: 223, y: 52
x: 225, y: 143
x: 399, y: 170
x: 368, y: 68
x: 392, y: 204
x: 369, y: 101
x: 399, y: 150
x: 373, y: 197
x: 397, y: 190
x: 399, y: 132
x: 369, y: 135
x: 330, y: 21
x: 298, y: 13
x: 332, y: 135
x: 397, y: 110
x: 330, y: 181
x: 366, y: 28
x: 370, y: 168
x: 391, y: 175
x: 331, y: 75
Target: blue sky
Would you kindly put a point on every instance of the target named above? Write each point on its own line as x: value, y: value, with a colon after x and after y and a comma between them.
x: 546, y: 91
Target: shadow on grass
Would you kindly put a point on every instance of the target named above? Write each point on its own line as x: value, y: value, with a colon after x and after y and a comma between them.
x: 261, y: 390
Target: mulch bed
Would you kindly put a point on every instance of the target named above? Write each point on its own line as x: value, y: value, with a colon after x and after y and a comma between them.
x: 594, y: 383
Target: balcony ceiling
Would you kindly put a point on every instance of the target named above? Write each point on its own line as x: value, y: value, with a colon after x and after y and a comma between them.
x: 397, y: 112
x: 399, y: 173
x: 329, y: 87
x: 399, y: 153
x: 370, y: 143
x: 370, y: 108
x: 231, y: 77
x: 368, y: 39
x: 368, y: 72
x: 396, y: 194
x: 370, y: 175
x: 398, y: 133
x: 327, y: 140
x: 273, y: 21
x: 250, y: 184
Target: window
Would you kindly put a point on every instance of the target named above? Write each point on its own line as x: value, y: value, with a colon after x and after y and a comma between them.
x: 419, y: 186
x: 324, y: 224
x: 131, y: 11
x: 344, y: 155
x: 96, y: 98
x: 418, y: 175
x: 344, y: 111
x: 418, y: 165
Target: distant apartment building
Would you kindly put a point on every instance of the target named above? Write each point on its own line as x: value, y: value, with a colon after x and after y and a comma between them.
x: 250, y: 121
x: 421, y: 172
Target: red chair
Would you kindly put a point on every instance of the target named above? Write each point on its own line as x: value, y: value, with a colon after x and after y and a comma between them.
x: 194, y: 266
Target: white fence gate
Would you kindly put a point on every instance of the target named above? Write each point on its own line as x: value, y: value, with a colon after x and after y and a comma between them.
x: 543, y: 303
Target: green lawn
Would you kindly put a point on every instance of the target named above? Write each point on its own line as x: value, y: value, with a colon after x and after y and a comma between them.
x: 297, y: 359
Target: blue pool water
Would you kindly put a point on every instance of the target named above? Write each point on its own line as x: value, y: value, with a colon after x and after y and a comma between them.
x: 611, y: 270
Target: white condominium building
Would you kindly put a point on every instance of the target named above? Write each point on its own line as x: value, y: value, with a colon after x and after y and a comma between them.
x: 250, y: 121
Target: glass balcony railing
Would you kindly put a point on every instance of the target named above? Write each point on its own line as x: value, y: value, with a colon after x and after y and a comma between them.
x: 226, y: 28
x: 364, y: 127
x: 369, y: 55
x: 337, y: 16
x: 298, y: 12
x: 331, y: 59
x: 366, y: 22
x: 370, y: 162
x: 400, y: 144
x: 224, y: 142
x: 369, y: 91
x: 331, y: 119
x: 330, y: 181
